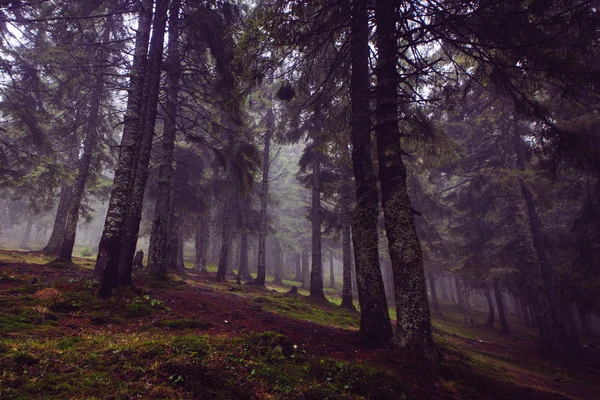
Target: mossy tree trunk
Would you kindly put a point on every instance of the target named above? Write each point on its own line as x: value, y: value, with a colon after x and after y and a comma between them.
x: 375, y: 325
x: 413, y: 327
x: 226, y: 236
x: 316, y: 219
x: 144, y: 70
x: 261, y: 267
x: 60, y: 220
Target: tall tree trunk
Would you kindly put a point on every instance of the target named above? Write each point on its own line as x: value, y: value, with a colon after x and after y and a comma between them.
x: 202, y: 236
x: 331, y: 274
x: 60, y: 220
x: 261, y: 268
x: 278, y: 269
x: 413, y: 328
x: 500, y: 304
x: 180, y: 249
x: 134, y: 214
x: 225, y: 240
x: 316, y: 219
x: 461, y: 294
x: 434, y: 300
x: 305, y: 269
x: 444, y: 288
x: 26, y: 234
x: 110, y: 241
x: 89, y: 148
x: 244, y: 271
x: 347, y: 301
x: 159, y: 244
x: 490, y: 303
x: 173, y: 236
x: 298, y: 268
x: 375, y: 326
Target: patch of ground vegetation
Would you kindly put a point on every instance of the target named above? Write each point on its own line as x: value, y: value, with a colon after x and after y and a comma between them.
x: 193, y: 337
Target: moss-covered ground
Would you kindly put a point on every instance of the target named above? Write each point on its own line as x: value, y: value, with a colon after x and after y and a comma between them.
x: 195, y: 338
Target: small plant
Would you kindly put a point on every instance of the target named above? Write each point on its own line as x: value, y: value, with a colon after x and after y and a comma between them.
x: 87, y: 252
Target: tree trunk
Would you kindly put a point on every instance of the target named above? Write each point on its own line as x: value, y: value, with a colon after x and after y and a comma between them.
x: 298, y: 268
x: 500, y: 304
x: 85, y: 162
x: 316, y: 272
x: 244, y: 271
x: 173, y: 235
x: 331, y: 274
x: 413, y: 328
x: 347, y: 301
x: 461, y: 294
x: 583, y: 321
x: 180, y: 249
x: 375, y: 326
x: 444, y: 288
x: 225, y: 240
x: 434, y: 300
x: 305, y: 269
x: 134, y: 214
x: 261, y: 267
x: 60, y: 220
x: 490, y: 303
x: 553, y: 337
x: 202, y: 236
x: 159, y: 244
x: 107, y: 262
x: 277, y: 267
x: 26, y: 234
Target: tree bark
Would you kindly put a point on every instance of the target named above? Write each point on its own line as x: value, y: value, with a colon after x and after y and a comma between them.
x: 316, y: 219
x: 375, y: 326
x: 261, y: 267
x: 347, y: 301
x: 89, y: 148
x: 106, y: 268
x: 490, y: 303
x: 136, y: 201
x: 501, y: 312
x: 159, y: 244
x: 413, y: 327
x: 60, y: 221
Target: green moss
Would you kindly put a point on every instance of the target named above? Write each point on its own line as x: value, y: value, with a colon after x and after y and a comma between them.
x: 68, y: 343
x: 192, y: 346
x: 138, y: 309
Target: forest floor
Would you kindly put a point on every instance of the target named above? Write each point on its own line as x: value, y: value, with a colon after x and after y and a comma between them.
x: 194, y: 337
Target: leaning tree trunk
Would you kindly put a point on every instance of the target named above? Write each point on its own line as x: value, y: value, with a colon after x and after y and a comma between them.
x: 85, y: 162
x: 261, y: 267
x: 434, y: 300
x: 491, y: 315
x: 553, y: 338
x: 501, y: 312
x: 159, y: 243
x: 347, y: 301
x: 316, y: 219
x: 136, y: 202
x: 107, y: 262
x: 375, y: 326
x: 413, y: 328
x: 244, y: 270
x: 60, y: 220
